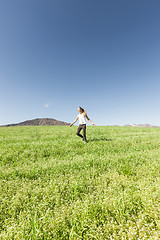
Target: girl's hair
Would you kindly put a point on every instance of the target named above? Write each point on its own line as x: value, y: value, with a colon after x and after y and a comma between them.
x: 81, y: 109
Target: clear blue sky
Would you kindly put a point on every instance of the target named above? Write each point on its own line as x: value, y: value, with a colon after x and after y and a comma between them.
x: 103, y: 55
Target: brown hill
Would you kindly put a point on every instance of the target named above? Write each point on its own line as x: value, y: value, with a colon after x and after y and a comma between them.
x: 39, y: 122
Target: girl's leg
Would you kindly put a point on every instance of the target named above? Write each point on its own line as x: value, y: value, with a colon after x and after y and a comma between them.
x: 78, y: 131
x: 84, y: 133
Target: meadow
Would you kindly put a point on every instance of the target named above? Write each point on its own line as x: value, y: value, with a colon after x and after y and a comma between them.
x: 53, y: 186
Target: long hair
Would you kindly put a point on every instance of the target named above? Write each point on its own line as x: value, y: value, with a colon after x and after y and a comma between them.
x: 81, y: 109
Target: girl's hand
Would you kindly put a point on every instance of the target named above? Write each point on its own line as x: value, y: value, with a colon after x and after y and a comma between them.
x: 71, y: 125
x: 93, y: 124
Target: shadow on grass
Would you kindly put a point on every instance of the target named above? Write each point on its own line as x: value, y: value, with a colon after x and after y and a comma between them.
x: 99, y: 139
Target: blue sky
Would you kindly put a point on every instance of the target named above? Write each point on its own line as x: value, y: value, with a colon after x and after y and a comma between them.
x: 56, y: 55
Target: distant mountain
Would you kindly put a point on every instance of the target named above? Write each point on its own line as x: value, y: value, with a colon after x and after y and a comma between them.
x: 39, y: 122
x: 141, y: 125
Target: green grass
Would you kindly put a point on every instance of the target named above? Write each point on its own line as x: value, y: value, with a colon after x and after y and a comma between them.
x: 53, y: 186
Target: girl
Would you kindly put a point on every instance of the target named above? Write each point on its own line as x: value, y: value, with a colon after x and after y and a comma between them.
x: 82, y: 122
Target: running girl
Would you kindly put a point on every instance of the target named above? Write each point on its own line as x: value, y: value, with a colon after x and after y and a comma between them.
x: 82, y: 123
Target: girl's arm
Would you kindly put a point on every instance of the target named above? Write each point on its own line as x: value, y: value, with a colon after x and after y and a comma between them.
x: 73, y: 122
x: 90, y: 120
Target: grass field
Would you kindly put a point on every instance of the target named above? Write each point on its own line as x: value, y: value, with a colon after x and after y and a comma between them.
x: 53, y: 186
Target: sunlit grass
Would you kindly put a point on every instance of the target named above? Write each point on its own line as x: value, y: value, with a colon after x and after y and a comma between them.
x: 53, y: 186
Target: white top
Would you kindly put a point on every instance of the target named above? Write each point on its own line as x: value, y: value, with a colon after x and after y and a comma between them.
x: 82, y: 118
